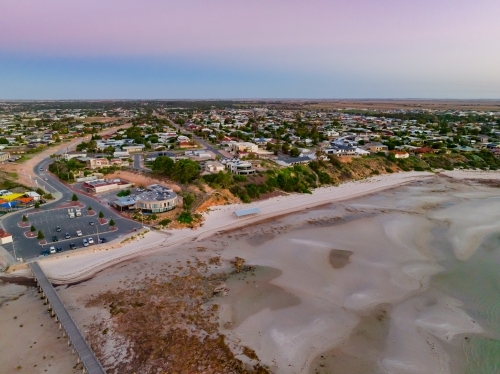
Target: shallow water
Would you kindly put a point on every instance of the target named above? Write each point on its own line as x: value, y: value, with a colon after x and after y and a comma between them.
x: 476, y: 283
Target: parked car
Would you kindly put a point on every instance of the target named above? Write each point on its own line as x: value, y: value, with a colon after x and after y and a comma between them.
x: 85, y: 242
x: 55, y: 238
x: 58, y: 229
x: 45, y: 252
x: 91, y: 241
x: 52, y: 249
x: 102, y: 240
x: 72, y: 246
x: 59, y: 249
x: 91, y: 223
x: 140, y: 190
x: 79, y: 233
x: 67, y: 236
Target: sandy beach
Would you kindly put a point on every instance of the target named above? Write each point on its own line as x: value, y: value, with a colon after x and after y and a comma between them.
x: 343, y: 280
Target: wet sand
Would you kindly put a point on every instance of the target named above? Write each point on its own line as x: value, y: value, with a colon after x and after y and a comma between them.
x: 357, y: 285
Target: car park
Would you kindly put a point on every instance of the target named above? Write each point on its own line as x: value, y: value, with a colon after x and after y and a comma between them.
x: 72, y: 246
x: 55, y: 238
x: 91, y: 223
x: 79, y: 233
x: 85, y: 242
x: 91, y: 241
x: 58, y: 229
x: 52, y: 249
x: 67, y: 236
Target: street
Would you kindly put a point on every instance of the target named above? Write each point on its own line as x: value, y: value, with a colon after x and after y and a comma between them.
x: 27, y: 248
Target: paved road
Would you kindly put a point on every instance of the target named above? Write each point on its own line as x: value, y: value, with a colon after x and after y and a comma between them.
x: 202, y: 141
x: 137, y: 163
x: 27, y: 248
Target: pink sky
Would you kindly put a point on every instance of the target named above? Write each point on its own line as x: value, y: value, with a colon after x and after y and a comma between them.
x: 432, y: 39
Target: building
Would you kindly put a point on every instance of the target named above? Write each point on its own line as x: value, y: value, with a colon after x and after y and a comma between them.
x: 74, y: 154
x: 103, y: 185
x: 378, y: 147
x: 214, y: 167
x: 400, y: 154
x: 96, y: 163
x: 244, y: 147
x: 240, y: 167
x: 4, y: 156
x: 156, y: 199
x: 133, y: 148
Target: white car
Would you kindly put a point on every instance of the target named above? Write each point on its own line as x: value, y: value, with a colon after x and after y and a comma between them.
x: 52, y: 249
x: 85, y: 243
x: 79, y: 233
x: 91, y: 241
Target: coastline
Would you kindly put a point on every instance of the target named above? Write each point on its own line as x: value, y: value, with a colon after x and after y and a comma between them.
x: 80, y: 266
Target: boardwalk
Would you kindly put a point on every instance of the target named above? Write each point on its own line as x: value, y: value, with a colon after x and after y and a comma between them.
x: 75, y: 338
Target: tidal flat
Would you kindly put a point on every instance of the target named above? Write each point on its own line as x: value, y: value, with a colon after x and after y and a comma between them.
x: 401, y: 281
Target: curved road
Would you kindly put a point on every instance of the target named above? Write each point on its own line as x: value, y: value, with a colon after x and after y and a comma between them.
x: 25, y: 248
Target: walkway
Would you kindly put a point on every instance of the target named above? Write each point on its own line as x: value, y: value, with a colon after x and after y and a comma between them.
x: 59, y: 311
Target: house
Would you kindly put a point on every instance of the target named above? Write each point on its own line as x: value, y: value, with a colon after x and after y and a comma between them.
x: 74, y: 154
x: 237, y: 166
x: 378, y: 147
x: 95, y: 163
x: 244, y: 147
x: 297, y: 161
x: 214, y: 167
x: 4, y: 156
x: 133, y: 148
x: 119, y: 154
x: 400, y: 154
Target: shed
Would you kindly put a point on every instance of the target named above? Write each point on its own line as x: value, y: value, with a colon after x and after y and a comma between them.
x: 247, y: 212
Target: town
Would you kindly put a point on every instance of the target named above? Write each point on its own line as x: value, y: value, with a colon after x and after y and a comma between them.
x: 162, y: 164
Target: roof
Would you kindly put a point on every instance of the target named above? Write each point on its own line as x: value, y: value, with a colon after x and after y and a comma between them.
x: 297, y: 159
x: 247, y: 212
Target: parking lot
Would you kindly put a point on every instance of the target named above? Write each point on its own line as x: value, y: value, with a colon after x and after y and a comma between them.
x: 47, y: 222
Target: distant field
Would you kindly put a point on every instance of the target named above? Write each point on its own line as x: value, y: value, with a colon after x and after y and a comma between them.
x: 493, y: 105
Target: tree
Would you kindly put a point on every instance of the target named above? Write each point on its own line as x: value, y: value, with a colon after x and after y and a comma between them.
x: 89, y: 208
x: 32, y: 228
x: 185, y: 171
x: 74, y: 197
x: 163, y: 165
x: 37, y: 205
x: 40, y: 235
x: 25, y: 219
x: 188, y: 200
x: 294, y: 152
x: 4, y: 141
x: 101, y: 215
x: 111, y: 223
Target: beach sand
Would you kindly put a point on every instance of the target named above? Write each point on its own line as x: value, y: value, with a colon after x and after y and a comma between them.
x: 343, y: 285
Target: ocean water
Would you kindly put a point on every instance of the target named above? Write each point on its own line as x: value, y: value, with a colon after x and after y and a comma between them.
x: 476, y: 283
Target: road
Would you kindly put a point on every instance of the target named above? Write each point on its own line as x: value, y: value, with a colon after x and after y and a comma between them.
x: 27, y: 248
x: 203, y: 142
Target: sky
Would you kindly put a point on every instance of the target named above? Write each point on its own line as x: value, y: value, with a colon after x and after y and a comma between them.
x: 234, y: 49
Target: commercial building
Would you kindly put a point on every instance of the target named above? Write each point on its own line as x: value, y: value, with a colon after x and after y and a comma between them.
x: 103, y: 185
